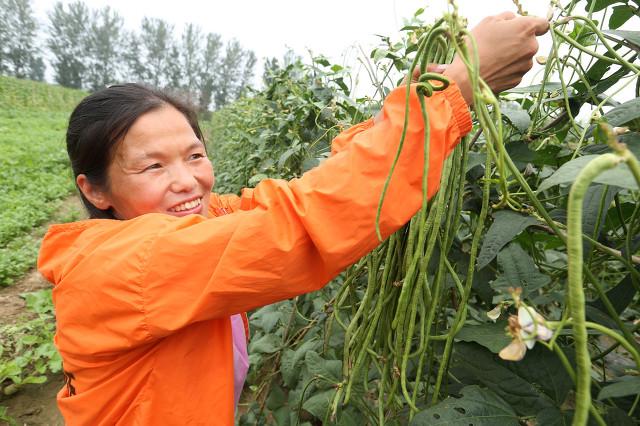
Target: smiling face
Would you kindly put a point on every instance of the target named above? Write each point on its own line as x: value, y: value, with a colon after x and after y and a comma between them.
x: 160, y: 166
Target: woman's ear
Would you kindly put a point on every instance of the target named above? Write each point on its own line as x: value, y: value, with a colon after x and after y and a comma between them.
x: 94, y: 194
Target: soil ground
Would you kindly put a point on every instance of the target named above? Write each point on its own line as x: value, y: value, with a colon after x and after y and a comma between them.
x: 35, y: 405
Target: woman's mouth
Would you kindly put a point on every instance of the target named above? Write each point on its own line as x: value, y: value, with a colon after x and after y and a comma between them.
x: 188, y: 207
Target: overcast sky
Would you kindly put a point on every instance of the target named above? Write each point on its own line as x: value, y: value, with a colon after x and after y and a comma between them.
x: 334, y: 28
x: 329, y: 27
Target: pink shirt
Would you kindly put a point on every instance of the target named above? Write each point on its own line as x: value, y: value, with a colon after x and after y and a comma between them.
x: 240, y: 356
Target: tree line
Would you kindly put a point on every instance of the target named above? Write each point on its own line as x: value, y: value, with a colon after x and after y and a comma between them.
x: 91, y: 49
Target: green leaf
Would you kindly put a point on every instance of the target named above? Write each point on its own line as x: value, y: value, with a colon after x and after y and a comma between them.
x: 620, y: 15
x: 266, y: 344
x: 618, y: 176
x: 34, y: 380
x: 630, y: 385
x: 285, y: 156
x: 267, y: 317
x: 255, y: 179
x: 289, y: 365
x: 490, y: 335
x: 349, y: 417
x: 548, y: 87
x: 474, y: 159
x: 537, y: 382
x: 552, y: 416
x: 318, y: 366
x: 615, y: 416
x: 477, y: 407
x: 630, y: 36
x: 520, y: 153
x: 4, y: 416
x: 594, y: 198
x: 319, y: 404
x: 29, y: 339
x: 518, y: 270
x: 624, y: 113
x: 595, y: 315
x: 506, y: 226
x: 620, y: 296
x: 276, y: 398
x: 516, y: 115
x: 582, y: 34
x: 379, y: 54
x: 600, y: 4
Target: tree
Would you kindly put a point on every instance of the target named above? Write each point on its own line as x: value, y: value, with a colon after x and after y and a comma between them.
x: 155, y: 44
x: 18, y: 49
x: 175, y: 73
x: 134, y: 70
x: 191, y: 59
x: 229, y: 74
x: 105, y: 49
x: 247, y: 73
x: 4, y: 35
x: 208, y: 70
x: 68, y: 43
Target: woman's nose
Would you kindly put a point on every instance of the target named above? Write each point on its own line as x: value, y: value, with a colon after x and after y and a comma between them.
x: 182, y: 179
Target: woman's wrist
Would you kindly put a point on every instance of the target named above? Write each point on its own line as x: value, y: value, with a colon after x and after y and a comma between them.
x: 458, y: 73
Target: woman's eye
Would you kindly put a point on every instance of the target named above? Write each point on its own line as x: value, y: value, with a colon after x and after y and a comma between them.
x: 153, y: 167
x: 197, y: 156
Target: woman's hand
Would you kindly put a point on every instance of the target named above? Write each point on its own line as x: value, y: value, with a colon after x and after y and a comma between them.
x: 506, y: 46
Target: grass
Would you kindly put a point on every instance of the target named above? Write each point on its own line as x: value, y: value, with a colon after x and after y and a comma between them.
x: 34, y: 169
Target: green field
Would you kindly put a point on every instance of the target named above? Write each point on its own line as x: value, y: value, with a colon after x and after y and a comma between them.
x: 34, y: 169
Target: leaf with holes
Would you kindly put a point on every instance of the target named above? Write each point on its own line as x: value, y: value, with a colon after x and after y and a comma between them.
x: 476, y: 407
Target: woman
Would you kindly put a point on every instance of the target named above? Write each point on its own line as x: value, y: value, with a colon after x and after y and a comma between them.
x: 150, y: 293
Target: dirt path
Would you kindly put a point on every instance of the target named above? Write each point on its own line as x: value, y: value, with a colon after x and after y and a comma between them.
x: 34, y: 405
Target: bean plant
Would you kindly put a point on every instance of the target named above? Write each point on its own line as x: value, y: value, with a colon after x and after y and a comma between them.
x: 512, y: 296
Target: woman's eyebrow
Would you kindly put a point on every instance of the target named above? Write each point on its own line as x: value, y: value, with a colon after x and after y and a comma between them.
x: 159, y: 154
x: 194, y: 145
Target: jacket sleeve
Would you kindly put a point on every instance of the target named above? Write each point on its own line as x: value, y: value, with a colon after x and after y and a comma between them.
x: 288, y: 238
x: 343, y: 139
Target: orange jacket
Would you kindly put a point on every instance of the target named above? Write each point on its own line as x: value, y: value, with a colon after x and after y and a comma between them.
x: 143, y: 305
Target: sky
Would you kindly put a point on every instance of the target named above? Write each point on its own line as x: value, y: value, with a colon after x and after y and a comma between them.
x: 334, y: 28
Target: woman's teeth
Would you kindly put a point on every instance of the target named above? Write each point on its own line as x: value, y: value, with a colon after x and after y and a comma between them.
x: 187, y: 206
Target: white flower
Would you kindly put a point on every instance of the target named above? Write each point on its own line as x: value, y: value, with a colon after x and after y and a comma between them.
x: 525, y: 329
x: 532, y: 326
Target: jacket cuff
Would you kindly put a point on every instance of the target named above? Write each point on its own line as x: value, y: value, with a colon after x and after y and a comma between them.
x: 460, y: 108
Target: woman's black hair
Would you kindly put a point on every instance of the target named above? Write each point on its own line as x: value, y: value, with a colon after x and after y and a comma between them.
x: 101, y: 120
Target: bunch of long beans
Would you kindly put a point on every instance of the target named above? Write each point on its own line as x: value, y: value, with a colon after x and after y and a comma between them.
x: 402, y: 312
x: 400, y: 326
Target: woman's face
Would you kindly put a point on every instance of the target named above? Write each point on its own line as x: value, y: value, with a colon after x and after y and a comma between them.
x: 160, y: 167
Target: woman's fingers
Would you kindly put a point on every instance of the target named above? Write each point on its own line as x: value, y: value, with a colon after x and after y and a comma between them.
x: 540, y: 25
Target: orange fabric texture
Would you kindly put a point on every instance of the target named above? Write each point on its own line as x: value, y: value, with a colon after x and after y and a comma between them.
x: 143, y: 305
